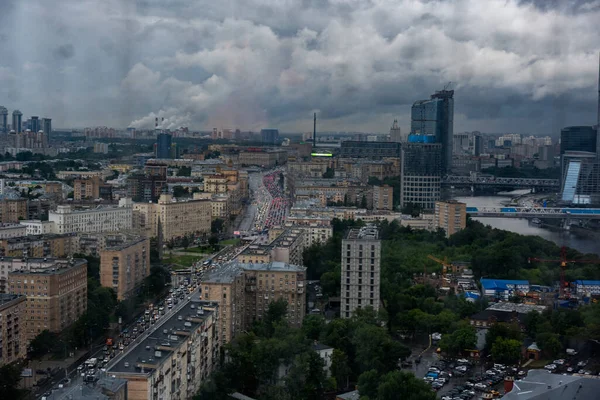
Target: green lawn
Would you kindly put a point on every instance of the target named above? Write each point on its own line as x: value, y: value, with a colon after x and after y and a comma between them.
x: 197, y: 250
x: 230, y: 241
x: 538, y: 364
x: 180, y: 262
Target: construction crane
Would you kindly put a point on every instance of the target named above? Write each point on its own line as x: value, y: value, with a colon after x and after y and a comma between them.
x: 445, y: 264
x: 563, y: 266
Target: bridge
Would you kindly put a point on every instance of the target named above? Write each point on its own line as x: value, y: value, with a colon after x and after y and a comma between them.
x: 534, y: 212
x: 456, y: 180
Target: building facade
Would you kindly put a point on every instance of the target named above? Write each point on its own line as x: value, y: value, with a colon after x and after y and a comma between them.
x: 451, y: 216
x: 383, y: 197
x: 578, y: 138
x: 56, y: 293
x: 101, y: 219
x: 13, y: 210
x: 13, y: 343
x: 12, y: 230
x: 163, y: 145
x: 39, y: 246
x: 420, y: 174
x: 361, y: 270
x: 372, y: 150
x: 124, y: 265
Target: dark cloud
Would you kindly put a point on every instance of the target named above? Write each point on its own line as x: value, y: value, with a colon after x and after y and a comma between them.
x: 516, y: 66
x: 65, y: 51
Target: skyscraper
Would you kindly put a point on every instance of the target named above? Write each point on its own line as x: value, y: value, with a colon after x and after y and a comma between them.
x: 3, y: 120
x: 436, y: 117
x: 35, y: 124
x: 163, y: 145
x: 16, y: 121
x: 47, y: 128
x: 361, y: 270
x: 420, y: 174
x: 395, y: 132
x: 578, y: 138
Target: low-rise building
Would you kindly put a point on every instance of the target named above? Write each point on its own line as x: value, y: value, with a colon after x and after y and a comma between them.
x: 176, y: 359
x: 56, y: 292
x: 124, y: 264
x: 13, y: 341
x: 503, y: 288
x: 244, y: 291
x: 100, y: 219
x: 12, y: 230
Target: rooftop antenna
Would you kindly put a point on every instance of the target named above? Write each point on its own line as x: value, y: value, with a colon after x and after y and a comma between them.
x: 447, y: 85
x: 314, y: 130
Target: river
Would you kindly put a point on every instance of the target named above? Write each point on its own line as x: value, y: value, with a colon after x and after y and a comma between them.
x: 562, y: 238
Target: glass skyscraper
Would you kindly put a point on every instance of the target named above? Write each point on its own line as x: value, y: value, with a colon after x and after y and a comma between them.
x: 163, y: 145
x: 17, y: 119
x: 3, y: 120
x: 435, y: 117
x: 578, y: 138
x: 269, y: 136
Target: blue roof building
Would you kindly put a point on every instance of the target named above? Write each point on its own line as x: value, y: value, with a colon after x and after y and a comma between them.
x: 583, y: 287
x: 503, y: 287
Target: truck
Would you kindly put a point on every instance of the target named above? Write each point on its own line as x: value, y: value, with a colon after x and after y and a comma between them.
x: 91, y: 363
x: 109, y: 342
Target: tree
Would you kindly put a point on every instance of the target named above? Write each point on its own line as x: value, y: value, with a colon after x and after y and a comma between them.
x: 506, y: 351
x: 363, y: 202
x: 43, y: 343
x: 180, y: 191
x: 213, y: 240
x: 393, y: 385
x: 184, y: 171
x: 216, y: 226
x: 185, y: 242
x: 459, y: 340
x: 502, y: 330
x: 10, y: 377
x: 340, y: 369
x: 157, y: 280
x: 549, y: 343
x: 312, y: 326
x: 329, y: 173
x: 368, y: 382
x: 306, y: 379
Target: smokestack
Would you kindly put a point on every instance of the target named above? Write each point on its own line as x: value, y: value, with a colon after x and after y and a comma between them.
x: 315, y: 130
x: 156, y: 122
x: 163, y: 119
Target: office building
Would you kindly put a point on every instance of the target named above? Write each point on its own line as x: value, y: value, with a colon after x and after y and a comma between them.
x: 361, y: 270
x: 17, y: 121
x: 395, y: 132
x: 580, y: 183
x: 173, y: 218
x: 578, y: 138
x: 3, y: 120
x: 451, y: 216
x: 372, y: 150
x: 124, y: 263
x: 100, y: 219
x: 269, y: 136
x: 13, y: 338
x: 56, y: 293
x: 163, y: 145
x: 47, y: 127
x: 176, y: 359
x: 420, y: 174
x: 244, y: 291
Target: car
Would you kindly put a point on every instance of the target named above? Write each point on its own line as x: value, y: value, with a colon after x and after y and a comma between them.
x: 550, y: 367
x: 558, y: 362
x: 435, y: 370
x: 582, y: 363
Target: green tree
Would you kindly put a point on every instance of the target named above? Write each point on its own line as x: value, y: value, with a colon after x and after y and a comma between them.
x: 10, y: 377
x: 363, y: 202
x: 216, y: 226
x: 506, y: 351
x: 312, y: 326
x: 184, y: 171
x: 185, y: 242
x: 461, y: 339
x: 180, y: 191
x: 502, y: 330
x: 549, y: 343
x: 340, y: 369
x: 403, y: 385
x: 306, y: 378
x: 42, y: 344
x: 213, y: 241
x: 368, y: 383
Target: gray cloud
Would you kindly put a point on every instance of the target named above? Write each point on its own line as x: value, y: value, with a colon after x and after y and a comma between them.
x: 519, y: 66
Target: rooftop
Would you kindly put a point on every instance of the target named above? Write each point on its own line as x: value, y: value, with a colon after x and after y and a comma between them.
x: 540, y: 385
x: 520, y: 308
x: 7, y: 298
x: 124, y: 242
x: 227, y: 272
x: 353, y: 395
x: 368, y: 232
x: 498, y: 316
x: 47, y: 266
x: 501, y: 284
x: 155, y: 348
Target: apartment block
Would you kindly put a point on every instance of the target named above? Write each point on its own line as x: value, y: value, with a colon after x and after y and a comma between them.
x: 288, y: 247
x: 13, y: 210
x: 38, y: 227
x: 13, y: 341
x: 176, y: 359
x: 56, y: 293
x: 244, y: 291
x: 383, y: 197
x: 40, y: 246
x: 12, y: 230
x: 262, y: 158
x: 361, y: 270
x: 91, y: 188
x: 124, y: 265
x: 451, y: 216
x: 177, y: 218
x: 100, y: 219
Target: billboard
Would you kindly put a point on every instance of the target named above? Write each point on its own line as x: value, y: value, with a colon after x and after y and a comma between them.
x: 321, y: 154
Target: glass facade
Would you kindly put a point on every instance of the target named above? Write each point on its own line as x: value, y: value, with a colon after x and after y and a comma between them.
x: 269, y: 136
x: 578, y: 138
x: 163, y: 145
x: 421, y: 174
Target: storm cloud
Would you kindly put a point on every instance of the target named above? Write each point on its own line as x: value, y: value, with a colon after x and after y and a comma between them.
x: 516, y: 66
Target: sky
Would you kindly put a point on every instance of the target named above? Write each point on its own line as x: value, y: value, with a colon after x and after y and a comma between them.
x: 528, y: 66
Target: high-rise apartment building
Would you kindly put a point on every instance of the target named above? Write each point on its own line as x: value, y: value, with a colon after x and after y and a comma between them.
x: 3, y: 120
x: 47, y: 127
x: 451, y: 216
x: 13, y: 338
x: 56, y: 293
x: 244, y: 291
x: 124, y: 264
x: 13, y: 210
x: 383, y: 197
x: 17, y: 121
x: 35, y: 124
x: 163, y: 145
x: 436, y: 117
x: 420, y: 173
x: 361, y: 270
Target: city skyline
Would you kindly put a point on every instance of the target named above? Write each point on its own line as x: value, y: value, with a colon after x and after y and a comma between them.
x: 516, y: 66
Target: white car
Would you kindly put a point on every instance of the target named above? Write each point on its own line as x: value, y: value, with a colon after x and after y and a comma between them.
x: 558, y: 362
x: 550, y: 367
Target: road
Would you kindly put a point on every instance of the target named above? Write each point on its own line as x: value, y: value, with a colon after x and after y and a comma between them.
x: 254, y: 182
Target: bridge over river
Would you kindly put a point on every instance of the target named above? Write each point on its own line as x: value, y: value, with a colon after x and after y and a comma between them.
x: 535, y: 212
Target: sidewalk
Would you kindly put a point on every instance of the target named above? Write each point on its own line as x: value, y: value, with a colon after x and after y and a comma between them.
x: 54, y: 365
